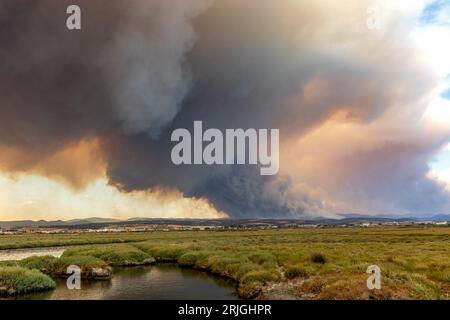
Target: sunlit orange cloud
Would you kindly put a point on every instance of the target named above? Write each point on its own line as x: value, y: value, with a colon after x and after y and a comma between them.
x: 75, y: 165
x: 72, y: 183
x: 32, y: 196
x: 338, y: 158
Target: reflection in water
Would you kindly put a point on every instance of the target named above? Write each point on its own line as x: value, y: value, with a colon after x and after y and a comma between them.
x: 19, y: 254
x: 159, y: 282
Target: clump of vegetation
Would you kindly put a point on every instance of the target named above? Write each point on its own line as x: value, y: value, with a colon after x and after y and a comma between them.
x: 252, y: 282
x: 344, y: 290
x: 318, y: 258
x: 18, y: 280
x: 114, y: 254
x: 264, y: 259
x: 195, y: 259
x: 165, y: 253
x: 46, y: 264
x: 91, y: 267
x: 261, y: 276
x: 84, y: 262
x: 312, y: 286
x: 231, y: 266
x: 296, y: 271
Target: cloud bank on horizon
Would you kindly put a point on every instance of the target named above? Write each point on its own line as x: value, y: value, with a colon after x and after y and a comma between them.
x: 364, y: 115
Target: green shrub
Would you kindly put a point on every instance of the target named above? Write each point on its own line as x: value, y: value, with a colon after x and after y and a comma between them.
x: 84, y: 262
x: 244, y: 268
x: 165, y: 253
x: 43, y: 263
x: 296, y: 272
x: 52, y: 265
x: 113, y: 254
x: 318, y: 258
x: 249, y: 290
x: 18, y: 280
x: 227, y: 266
x: 262, y: 257
x: 262, y: 276
x: 193, y: 258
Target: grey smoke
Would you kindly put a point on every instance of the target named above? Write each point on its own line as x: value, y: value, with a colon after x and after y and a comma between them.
x: 145, y: 62
x: 141, y: 68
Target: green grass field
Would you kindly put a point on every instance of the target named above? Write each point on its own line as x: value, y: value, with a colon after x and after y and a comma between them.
x: 321, y: 263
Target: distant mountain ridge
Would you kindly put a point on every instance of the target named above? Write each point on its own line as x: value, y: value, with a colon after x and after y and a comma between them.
x: 95, y: 221
x: 62, y: 223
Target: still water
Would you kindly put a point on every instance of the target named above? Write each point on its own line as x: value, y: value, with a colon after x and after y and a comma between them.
x: 19, y: 254
x: 158, y: 282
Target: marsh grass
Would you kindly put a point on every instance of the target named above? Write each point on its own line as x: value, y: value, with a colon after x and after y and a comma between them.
x: 112, y: 254
x: 18, y: 280
x: 324, y: 263
x: 41, y: 263
x: 296, y: 271
x: 169, y: 253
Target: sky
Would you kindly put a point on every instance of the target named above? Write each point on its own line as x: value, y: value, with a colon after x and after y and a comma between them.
x: 360, y: 93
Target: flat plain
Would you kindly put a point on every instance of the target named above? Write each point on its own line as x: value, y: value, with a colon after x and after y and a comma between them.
x: 309, y: 263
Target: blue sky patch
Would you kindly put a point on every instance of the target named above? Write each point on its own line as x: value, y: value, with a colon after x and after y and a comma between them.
x: 446, y: 94
x: 431, y: 12
x: 441, y: 162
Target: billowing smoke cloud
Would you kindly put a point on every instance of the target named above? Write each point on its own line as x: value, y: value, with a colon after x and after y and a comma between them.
x: 145, y: 62
x: 139, y: 69
x: 125, y: 69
